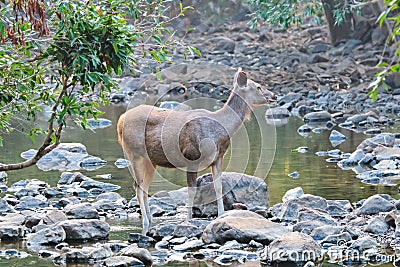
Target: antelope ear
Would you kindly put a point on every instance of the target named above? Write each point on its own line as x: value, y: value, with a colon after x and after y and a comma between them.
x: 241, y: 78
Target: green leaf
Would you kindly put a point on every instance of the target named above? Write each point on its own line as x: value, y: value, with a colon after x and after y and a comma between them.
x: 156, y: 38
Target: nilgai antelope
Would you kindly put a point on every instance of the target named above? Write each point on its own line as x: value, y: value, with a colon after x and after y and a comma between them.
x: 191, y: 140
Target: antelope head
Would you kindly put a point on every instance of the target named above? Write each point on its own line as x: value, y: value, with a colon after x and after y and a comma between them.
x: 253, y: 93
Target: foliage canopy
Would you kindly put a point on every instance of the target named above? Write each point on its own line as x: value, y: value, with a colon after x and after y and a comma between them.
x: 68, y: 60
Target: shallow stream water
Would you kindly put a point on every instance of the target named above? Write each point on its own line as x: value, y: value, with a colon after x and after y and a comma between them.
x: 258, y: 149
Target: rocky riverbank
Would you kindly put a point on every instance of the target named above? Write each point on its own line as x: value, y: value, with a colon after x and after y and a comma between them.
x: 70, y: 227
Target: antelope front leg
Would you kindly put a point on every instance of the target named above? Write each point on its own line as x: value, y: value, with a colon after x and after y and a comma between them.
x: 191, y: 183
x: 216, y: 170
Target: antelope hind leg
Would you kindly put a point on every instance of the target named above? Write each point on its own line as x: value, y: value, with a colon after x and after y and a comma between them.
x: 216, y: 170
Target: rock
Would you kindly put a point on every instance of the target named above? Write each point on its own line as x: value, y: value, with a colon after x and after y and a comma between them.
x: 99, y: 123
x: 53, y: 193
x: 289, y: 210
x: 109, y: 201
x: 293, y: 194
x: 187, y: 229
x: 85, y: 229
x: 139, y: 253
x: 292, y: 247
x: 91, y: 254
x: 32, y: 203
x: 91, y: 163
x: 339, y: 239
x: 243, y: 226
x: 353, y: 160
x: 230, y: 245
x: 66, y: 156
x: 223, y: 44
x: 236, y: 188
x: 294, y: 175
x: 119, y: 261
x: 163, y: 229
x: 5, y: 207
x: 307, y: 214
x: 122, y: 163
x: 141, y: 240
x: 9, y: 231
x: 306, y: 227
x: 91, y: 183
x: 54, y: 217
x: 321, y: 232
x: 47, y: 236
x: 384, y: 139
x: 81, y: 211
x: 364, y: 243
x: 189, y: 245
x: 377, y: 226
x: 32, y: 218
x: 304, y: 130
x: 317, y: 116
x: 374, y: 205
x: 336, y: 138
x: 71, y: 177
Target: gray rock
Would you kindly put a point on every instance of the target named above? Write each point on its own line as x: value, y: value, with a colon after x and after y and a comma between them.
x: 47, y: 236
x: 307, y: 227
x: 99, y: 123
x: 293, y: 194
x: 317, y: 116
x: 374, y: 205
x: 290, y: 209
x: 54, y: 217
x: 91, y: 183
x: 81, y: 211
x: 292, y: 247
x: 187, y: 229
x: 85, y: 254
x: 119, y: 261
x: 236, y: 188
x: 307, y: 214
x: 32, y: 203
x: 243, y: 226
x: 189, y: 245
x: 337, y: 239
x: 364, y: 243
x: 163, y: 229
x: 5, y: 207
x: 224, y: 44
x: 140, y: 240
x: 53, y: 193
x: 11, y: 226
x: 71, y: 177
x: 85, y: 229
x: 384, y: 139
x: 322, y: 232
x: 377, y: 226
x: 32, y: 218
x: 66, y: 156
x: 139, y: 253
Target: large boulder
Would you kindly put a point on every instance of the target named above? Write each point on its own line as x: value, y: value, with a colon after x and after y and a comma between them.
x: 66, y: 156
x: 46, y: 236
x: 292, y: 247
x: 374, y: 205
x: 81, y: 211
x: 236, y: 188
x: 85, y: 229
x: 289, y: 210
x: 242, y: 226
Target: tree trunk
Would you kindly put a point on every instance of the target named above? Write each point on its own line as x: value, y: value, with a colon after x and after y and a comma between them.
x: 338, y: 32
